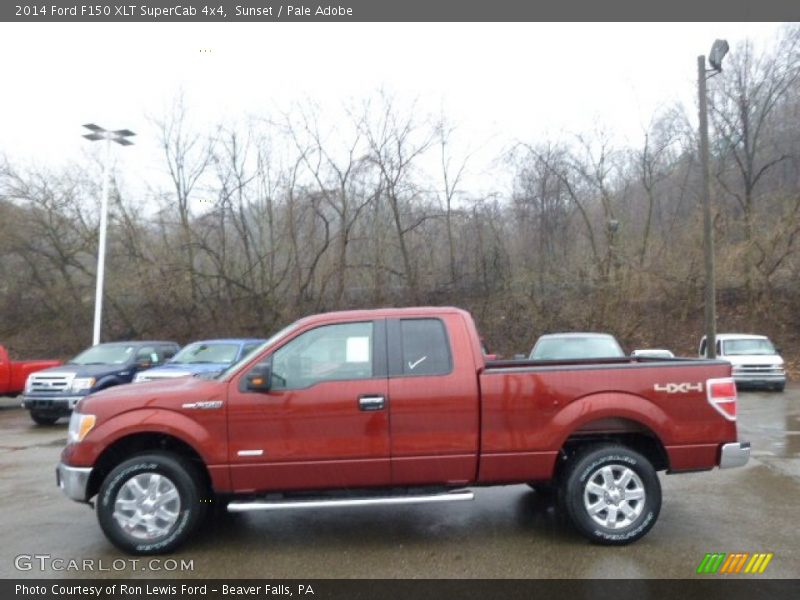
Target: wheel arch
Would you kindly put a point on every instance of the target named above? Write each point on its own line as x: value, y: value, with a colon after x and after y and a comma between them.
x: 620, y: 418
x: 137, y: 443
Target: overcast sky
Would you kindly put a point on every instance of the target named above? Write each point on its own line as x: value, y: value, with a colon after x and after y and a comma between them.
x: 498, y: 82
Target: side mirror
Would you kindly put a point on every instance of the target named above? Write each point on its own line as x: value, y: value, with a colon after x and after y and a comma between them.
x: 143, y: 364
x: 259, y: 379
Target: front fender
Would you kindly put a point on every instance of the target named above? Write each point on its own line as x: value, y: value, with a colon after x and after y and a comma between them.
x: 208, y: 440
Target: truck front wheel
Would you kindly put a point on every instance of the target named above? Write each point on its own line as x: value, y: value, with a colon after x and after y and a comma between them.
x: 611, y: 494
x: 43, y: 418
x: 150, y: 504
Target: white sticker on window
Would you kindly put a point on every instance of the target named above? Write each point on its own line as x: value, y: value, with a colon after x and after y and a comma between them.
x: 357, y: 349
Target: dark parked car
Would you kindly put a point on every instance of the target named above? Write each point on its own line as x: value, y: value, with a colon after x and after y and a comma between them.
x: 52, y: 393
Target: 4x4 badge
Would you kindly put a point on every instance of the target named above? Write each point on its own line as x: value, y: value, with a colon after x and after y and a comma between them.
x: 678, y: 388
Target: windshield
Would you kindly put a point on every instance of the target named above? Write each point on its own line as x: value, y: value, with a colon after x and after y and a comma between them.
x: 104, y: 354
x: 205, y: 352
x: 741, y: 347
x: 282, y: 333
x: 566, y: 348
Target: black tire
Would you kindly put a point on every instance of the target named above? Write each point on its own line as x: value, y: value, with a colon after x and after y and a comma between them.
x: 180, y: 474
x: 780, y: 387
x: 584, y: 468
x: 41, y: 418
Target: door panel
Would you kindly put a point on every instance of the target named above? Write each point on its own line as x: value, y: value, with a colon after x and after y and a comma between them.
x: 321, y: 425
x: 434, y: 402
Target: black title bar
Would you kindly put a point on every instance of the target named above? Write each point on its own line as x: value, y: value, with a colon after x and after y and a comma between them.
x: 710, y: 588
x: 398, y: 10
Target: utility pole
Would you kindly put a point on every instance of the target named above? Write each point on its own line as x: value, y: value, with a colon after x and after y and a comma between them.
x: 718, y: 51
x: 708, y: 228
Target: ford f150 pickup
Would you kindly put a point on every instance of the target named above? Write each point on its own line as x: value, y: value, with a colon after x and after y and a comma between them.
x: 52, y: 393
x: 14, y: 373
x: 396, y: 406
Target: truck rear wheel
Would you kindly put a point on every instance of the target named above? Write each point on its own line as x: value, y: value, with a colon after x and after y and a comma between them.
x: 611, y: 494
x: 150, y: 504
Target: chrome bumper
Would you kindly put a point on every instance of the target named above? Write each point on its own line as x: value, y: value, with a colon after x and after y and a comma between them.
x: 764, y: 378
x: 73, y: 481
x: 734, y: 455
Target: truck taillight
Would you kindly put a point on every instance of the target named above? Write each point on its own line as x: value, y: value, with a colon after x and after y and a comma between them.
x: 722, y: 396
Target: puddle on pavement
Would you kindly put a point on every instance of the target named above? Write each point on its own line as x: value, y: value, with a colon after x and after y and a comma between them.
x: 771, y: 424
x: 791, y: 446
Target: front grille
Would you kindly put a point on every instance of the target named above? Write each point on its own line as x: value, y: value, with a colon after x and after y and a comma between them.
x: 50, y: 383
x: 759, y: 369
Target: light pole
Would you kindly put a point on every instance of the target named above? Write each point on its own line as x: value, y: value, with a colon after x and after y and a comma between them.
x: 718, y: 51
x: 120, y: 137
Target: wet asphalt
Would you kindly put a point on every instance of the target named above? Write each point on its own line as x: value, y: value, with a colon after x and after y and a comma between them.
x: 507, y: 532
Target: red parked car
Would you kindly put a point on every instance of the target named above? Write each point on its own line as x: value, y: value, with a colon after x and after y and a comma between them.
x: 13, y: 374
x: 396, y: 406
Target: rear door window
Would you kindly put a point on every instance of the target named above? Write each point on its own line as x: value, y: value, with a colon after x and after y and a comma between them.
x: 425, y: 348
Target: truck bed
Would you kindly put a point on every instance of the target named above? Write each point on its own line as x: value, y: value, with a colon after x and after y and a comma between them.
x: 531, y: 408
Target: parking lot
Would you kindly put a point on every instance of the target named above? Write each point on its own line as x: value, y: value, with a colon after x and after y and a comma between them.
x: 507, y: 532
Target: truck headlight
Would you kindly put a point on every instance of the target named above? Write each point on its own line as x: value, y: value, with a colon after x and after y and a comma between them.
x: 79, y: 426
x: 82, y: 383
x: 28, y: 384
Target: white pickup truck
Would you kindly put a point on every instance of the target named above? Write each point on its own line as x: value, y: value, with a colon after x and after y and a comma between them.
x: 754, y: 358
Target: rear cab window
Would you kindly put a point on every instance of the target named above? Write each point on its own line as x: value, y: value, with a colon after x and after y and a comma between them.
x: 424, y: 348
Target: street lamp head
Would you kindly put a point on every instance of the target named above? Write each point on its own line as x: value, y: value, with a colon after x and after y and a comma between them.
x: 98, y: 133
x: 718, y: 51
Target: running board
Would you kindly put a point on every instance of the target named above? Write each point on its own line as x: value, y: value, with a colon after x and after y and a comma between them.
x: 377, y: 501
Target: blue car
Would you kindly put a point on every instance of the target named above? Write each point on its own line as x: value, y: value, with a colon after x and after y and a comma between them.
x: 206, y: 358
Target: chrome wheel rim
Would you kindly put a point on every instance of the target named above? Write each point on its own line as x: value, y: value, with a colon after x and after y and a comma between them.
x: 614, y: 496
x: 147, y: 506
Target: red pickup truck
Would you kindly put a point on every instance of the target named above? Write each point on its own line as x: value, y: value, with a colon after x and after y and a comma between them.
x: 13, y: 374
x: 396, y: 406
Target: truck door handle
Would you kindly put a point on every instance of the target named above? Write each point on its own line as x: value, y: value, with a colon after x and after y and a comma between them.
x: 370, y: 402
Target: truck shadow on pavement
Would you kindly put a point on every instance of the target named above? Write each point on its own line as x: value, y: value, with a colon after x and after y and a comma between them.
x: 519, y: 513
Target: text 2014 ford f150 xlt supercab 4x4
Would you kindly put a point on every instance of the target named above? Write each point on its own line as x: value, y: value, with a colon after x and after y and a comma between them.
x: 396, y: 406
